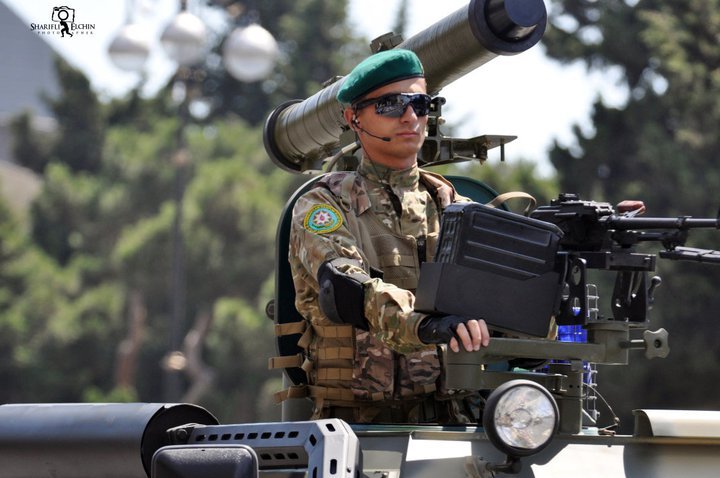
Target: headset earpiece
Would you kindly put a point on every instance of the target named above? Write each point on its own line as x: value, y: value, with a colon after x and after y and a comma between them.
x: 354, y: 121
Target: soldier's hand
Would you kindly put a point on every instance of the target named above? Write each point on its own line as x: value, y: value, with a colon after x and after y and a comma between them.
x: 454, y: 330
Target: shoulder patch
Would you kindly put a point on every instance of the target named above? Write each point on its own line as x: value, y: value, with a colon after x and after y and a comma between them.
x: 322, y: 219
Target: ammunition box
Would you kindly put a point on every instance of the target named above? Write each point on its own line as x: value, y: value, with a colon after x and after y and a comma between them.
x: 495, y: 265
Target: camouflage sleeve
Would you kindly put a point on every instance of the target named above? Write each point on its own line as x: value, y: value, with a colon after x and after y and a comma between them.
x: 319, y: 234
x: 390, y: 311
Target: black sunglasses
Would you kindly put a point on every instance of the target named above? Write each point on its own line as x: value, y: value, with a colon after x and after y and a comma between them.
x: 393, y: 105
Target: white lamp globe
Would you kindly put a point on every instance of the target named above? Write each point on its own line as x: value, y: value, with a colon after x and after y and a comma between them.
x: 250, y: 53
x: 185, y: 39
x: 130, y: 49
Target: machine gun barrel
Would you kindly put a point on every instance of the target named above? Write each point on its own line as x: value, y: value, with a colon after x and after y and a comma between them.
x: 300, y: 133
x: 594, y: 226
x: 684, y: 222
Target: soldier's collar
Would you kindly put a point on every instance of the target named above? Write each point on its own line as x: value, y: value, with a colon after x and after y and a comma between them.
x: 395, y: 178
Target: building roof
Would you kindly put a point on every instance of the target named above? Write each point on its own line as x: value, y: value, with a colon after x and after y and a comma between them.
x: 27, y: 67
x: 26, y: 73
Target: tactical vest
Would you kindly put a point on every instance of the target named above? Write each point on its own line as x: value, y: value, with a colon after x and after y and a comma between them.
x: 347, y: 366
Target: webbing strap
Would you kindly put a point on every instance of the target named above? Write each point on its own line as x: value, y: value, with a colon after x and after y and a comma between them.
x: 307, y: 366
x: 285, y: 361
x: 335, y: 373
x: 502, y: 198
x: 295, y: 391
x: 333, y: 331
x: 305, y: 339
x: 327, y: 393
x: 335, y: 353
x: 290, y: 328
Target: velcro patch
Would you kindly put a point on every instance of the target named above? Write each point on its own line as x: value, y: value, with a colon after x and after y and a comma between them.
x: 322, y: 219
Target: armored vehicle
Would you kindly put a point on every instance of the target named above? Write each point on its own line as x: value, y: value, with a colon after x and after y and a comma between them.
x: 540, y: 416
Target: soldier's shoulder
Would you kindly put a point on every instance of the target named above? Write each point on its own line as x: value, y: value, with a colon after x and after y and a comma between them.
x: 337, y: 182
x: 321, y: 196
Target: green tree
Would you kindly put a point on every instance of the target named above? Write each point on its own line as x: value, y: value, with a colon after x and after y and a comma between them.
x: 401, y: 19
x: 233, y: 198
x: 46, y: 312
x: 92, y: 302
x: 521, y: 175
x: 30, y: 148
x: 660, y: 147
x: 80, y: 132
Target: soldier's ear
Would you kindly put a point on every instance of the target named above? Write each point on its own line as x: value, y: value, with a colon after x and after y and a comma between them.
x: 350, y: 117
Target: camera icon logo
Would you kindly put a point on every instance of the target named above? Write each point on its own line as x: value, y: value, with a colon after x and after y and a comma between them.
x: 63, y: 14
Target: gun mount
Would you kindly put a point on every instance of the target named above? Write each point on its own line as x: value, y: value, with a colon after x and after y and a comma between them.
x: 300, y: 134
x: 567, y: 365
x: 521, y: 272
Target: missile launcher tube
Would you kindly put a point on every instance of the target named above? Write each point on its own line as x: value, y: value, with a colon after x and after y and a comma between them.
x: 298, y: 133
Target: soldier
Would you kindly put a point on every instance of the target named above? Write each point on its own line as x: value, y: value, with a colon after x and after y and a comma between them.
x: 357, y: 242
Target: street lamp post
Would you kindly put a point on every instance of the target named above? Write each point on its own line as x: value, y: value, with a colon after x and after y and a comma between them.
x: 174, y: 361
x: 249, y: 54
x: 185, y: 41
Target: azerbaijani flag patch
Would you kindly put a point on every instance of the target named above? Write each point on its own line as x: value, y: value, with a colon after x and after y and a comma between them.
x: 322, y: 219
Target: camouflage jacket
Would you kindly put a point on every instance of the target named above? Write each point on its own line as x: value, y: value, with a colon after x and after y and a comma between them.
x: 387, y: 220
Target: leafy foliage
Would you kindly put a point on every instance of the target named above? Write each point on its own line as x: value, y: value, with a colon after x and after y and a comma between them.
x: 85, y: 298
x: 660, y: 147
x: 30, y: 149
x: 512, y: 176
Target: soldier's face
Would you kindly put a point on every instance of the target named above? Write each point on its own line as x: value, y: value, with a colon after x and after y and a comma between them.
x: 406, y: 133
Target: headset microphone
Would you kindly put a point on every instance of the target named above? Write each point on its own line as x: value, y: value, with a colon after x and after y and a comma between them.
x: 383, y: 138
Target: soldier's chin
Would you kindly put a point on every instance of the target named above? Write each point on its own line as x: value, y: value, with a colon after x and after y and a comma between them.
x: 407, y: 149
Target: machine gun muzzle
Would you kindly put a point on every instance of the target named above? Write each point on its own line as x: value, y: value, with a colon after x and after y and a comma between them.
x: 300, y: 133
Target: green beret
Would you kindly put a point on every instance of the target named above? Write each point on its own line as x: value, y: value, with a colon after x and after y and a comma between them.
x: 378, y: 70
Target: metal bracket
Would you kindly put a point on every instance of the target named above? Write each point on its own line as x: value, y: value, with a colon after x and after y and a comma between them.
x: 325, y: 447
x: 441, y: 149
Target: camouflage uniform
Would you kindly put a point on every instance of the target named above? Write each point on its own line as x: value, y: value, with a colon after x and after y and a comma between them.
x: 388, y: 220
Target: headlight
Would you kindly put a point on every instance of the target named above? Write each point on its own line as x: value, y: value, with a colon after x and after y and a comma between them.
x: 520, y: 417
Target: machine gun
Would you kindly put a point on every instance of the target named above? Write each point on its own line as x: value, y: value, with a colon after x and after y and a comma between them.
x: 595, y: 237
x: 519, y: 273
x: 544, y: 258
